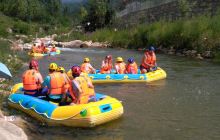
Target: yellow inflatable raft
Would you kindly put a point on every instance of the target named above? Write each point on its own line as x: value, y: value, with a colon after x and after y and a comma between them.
x: 44, y: 54
x: 105, y: 109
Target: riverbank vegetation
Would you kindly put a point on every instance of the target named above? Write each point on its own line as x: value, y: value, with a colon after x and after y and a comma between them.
x: 199, y: 33
x: 11, y: 59
x: 96, y: 19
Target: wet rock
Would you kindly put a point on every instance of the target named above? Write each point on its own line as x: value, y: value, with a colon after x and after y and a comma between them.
x: 21, y: 37
x: 27, y: 46
x: 193, y: 53
x: 9, y: 30
x: 9, y: 131
x: 99, y: 45
x: 88, y: 43
x: 84, y: 45
x: 207, y: 54
x: 171, y: 52
x: 72, y: 44
x: 199, y: 56
x: 53, y: 36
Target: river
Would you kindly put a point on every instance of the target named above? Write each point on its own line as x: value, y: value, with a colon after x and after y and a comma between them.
x: 185, y: 106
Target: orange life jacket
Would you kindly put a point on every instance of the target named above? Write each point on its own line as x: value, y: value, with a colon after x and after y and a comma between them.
x: 85, y: 68
x: 56, y: 83
x: 106, y: 68
x: 29, y: 81
x: 122, y: 67
x: 132, y: 68
x: 148, y: 59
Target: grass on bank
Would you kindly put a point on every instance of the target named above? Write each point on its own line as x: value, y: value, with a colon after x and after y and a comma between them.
x: 11, y: 59
x: 199, y: 33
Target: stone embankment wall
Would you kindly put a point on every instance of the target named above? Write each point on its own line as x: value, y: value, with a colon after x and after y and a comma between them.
x: 171, y: 11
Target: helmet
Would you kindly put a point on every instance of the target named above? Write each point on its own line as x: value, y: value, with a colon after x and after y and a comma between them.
x: 33, y: 64
x: 108, y: 57
x: 86, y: 59
x: 61, y: 69
x: 130, y: 60
x: 53, y: 66
x: 151, y: 48
x: 119, y: 59
x: 76, y: 70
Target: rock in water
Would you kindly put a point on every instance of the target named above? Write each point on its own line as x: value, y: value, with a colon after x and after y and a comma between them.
x: 9, y: 131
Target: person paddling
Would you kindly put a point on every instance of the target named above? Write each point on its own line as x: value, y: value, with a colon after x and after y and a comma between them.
x: 148, y: 61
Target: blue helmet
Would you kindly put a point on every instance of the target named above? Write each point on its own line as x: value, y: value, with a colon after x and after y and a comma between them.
x: 130, y: 60
x: 151, y: 48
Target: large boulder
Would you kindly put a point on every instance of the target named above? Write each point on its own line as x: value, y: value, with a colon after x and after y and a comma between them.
x: 72, y: 44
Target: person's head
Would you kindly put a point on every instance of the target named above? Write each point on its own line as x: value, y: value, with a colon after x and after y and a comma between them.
x: 76, y: 70
x: 151, y: 49
x: 33, y: 64
x: 34, y: 44
x: 108, y: 57
x: 61, y: 69
x: 86, y: 60
x: 53, y: 67
x: 130, y: 60
x: 119, y: 59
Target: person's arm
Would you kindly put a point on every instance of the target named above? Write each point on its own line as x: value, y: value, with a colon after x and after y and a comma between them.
x: 46, y: 82
x: 91, y: 67
x: 117, y: 68
x: 103, y: 64
x: 40, y: 78
x: 76, y: 88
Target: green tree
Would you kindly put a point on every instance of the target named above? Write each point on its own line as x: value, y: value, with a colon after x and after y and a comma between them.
x: 99, y: 15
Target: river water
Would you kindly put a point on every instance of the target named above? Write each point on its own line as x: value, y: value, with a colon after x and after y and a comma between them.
x: 185, y: 106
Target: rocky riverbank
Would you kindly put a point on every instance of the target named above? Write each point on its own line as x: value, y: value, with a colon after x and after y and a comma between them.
x: 187, y: 53
x: 19, y: 45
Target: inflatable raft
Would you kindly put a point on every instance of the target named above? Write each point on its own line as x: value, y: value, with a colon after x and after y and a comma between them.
x: 92, y: 114
x: 127, y: 78
x: 44, y: 54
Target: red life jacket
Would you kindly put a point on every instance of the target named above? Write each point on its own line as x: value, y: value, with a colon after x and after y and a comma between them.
x: 132, y: 68
x: 56, y: 83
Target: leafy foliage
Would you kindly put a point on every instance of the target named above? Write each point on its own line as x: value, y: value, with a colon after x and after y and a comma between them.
x: 99, y: 14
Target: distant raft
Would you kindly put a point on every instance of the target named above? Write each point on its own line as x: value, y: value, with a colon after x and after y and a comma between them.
x: 44, y: 54
x: 105, y: 109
